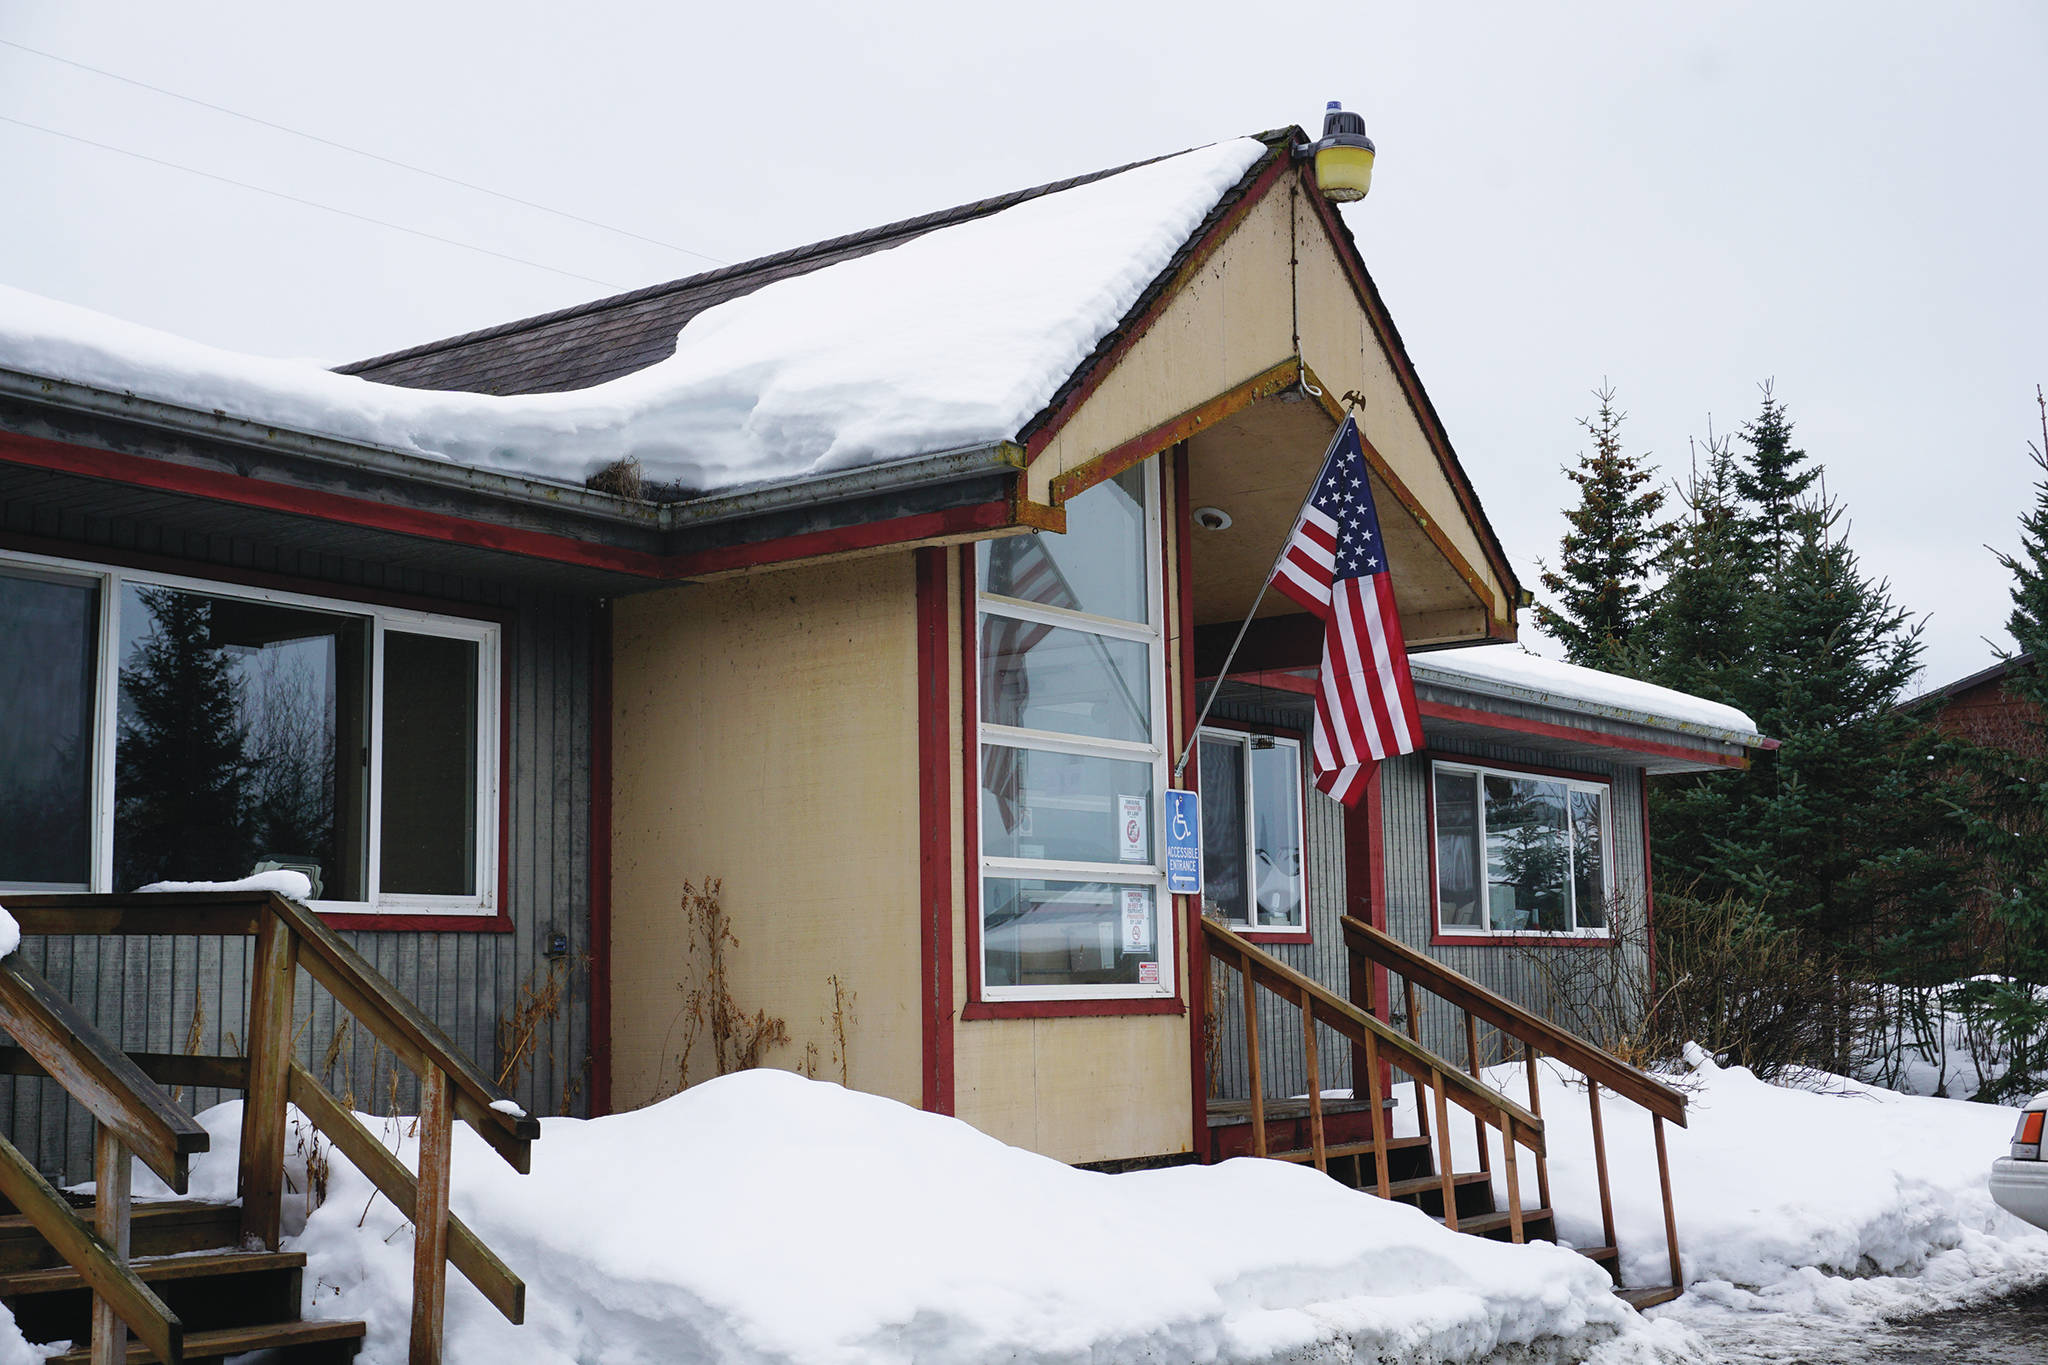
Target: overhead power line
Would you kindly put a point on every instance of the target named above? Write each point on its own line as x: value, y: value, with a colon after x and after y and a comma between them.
x: 358, y: 151
x: 309, y: 203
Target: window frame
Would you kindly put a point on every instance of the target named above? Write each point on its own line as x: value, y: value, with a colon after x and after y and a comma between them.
x: 484, y: 909
x: 1243, y: 738
x: 1449, y: 935
x: 991, y: 1001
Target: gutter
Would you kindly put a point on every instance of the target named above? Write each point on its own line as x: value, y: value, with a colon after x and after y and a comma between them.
x: 1489, y: 687
x: 553, y: 496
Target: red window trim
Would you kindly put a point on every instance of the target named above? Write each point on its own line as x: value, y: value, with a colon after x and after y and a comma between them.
x: 970, y: 815
x: 498, y: 921
x: 1439, y: 937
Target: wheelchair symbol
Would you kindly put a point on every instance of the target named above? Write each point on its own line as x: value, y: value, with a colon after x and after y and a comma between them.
x: 1182, y: 832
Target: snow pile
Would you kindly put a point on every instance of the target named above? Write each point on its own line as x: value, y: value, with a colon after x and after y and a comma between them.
x: 1509, y: 670
x: 767, y: 1218
x: 1840, y: 1200
x: 10, y: 932
x: 956, y: 338
x: 294, y: 885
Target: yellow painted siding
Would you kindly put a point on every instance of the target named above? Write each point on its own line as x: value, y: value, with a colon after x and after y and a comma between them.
x: 765, y: 732
x: 1235, y: 320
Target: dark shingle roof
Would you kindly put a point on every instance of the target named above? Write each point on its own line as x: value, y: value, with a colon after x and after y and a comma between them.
x: 574, y: 348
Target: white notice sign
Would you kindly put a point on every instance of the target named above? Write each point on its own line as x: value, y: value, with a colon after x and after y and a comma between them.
x: 1130, y: 830
x: 1137, y: 920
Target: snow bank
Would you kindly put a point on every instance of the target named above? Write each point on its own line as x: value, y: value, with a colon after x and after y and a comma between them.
x: 955, y: 338
x: 285, y: 882
x: 1512, y: 667
x: 10, y: 933
x: 766, y: 1218
x: 1841, y: 1200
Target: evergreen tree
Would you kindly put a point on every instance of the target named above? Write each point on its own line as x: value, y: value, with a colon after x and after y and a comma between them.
x: 1692, y: 635
x: 1772, y: 481
x: 1600, y: 578
x: 182, y: 773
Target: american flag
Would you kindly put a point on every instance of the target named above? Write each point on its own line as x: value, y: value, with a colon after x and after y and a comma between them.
x: 1336, y: 566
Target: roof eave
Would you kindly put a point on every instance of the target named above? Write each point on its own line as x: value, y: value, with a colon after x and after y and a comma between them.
x: 1446, y: 681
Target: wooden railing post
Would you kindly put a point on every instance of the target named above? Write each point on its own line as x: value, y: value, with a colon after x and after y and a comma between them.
x: 1443, y: 1145
x: 1315, y: 1084
x: 1600, y: 1169
x: 271, y: 985
x: 1415, y: 1081
x: 1536, y: 1108
x: 1472, y: 1070
x: 1670, y: 1218
x: 1514, y: 1177
x: 430, y: 1216
x: 113, y: 1182
x: 1251, y: 1055
x: 1379, y: 1112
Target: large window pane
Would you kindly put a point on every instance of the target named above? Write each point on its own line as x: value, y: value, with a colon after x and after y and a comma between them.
x: 1276, y: 834
x: 49, y: 629
x: 1073, y: 682
x: 1528, y: 854
x: 430, y: 779
x: 1225, y: 889
x: 1457, y: 849
x: 1097, y: 566
x: 1064, y: 807
x: 1066, y: 933
x: 1589, y: 861
x: 242, y: 729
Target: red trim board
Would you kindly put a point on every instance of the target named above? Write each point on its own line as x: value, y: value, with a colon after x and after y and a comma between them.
x: 1437, y: 710
x: 935, y: 831
x: 601, y: 860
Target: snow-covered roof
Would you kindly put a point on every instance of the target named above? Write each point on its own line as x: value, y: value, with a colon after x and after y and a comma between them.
x: 953, y: 339
x: 1510, y: 672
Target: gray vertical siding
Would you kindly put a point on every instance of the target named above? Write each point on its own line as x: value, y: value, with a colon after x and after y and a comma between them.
x: 185, y: 993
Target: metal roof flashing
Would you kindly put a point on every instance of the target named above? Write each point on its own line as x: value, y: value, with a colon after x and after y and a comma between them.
x: 1448, y: 682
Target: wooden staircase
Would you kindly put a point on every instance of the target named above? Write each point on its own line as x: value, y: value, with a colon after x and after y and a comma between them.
x: 196, y: 1281
x: 1353, y: 1142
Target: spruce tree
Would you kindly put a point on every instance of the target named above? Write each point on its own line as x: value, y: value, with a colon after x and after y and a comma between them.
x: 181, y: 768
x: 1605, y: 562
x: 1692, y: 636
x: 1772, y: 481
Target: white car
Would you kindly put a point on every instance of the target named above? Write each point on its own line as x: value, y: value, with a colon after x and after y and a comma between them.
x: 2020, y: 1182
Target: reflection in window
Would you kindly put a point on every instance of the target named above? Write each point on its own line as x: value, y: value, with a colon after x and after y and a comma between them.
x: 1516, y: 853
x: 233, y: 717
x: 1064, y: 807
x: 1252, y: 830
x: 1071, y: 682
x: 1054, y: 933
x: 428, y: 846
x: 1097, y: 566
x: 49, y: 642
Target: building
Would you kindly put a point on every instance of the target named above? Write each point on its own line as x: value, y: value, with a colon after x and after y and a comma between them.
x: 865, y: 579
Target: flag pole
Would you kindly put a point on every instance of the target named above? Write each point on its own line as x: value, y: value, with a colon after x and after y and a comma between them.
x: 1194, y: 733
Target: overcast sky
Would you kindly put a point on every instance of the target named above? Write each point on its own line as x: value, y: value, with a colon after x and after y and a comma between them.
x: 1847, y: 199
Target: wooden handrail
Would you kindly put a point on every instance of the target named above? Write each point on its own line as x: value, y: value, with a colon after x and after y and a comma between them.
x: 1353, y: 1023
x: 101, y: 1077
x: 1510, y: 1018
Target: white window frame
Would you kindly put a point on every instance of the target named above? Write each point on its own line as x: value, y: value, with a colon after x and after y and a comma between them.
x: 1485, y: 929
x: 1152, y: 874
x: 487, y: 635
x: 1244, y: 741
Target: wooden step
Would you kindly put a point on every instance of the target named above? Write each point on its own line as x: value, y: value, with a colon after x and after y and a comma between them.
x: 1601, y: 1254
x: 1649, y: 1296
x: 342, y: 1338
x: 154, y: 1270
x: 1337, y: 1149
x: 160, y: 1227
x: 1484, y: 1224
x: 1427, y: 1184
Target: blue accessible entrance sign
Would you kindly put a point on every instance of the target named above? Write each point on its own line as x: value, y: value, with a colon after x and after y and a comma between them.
x: 1183, y: 843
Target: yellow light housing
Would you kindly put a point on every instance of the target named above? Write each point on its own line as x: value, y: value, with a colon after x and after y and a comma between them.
x: 1343, y: 156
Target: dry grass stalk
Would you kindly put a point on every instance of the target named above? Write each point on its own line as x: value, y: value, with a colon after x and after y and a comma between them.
x: 739, y: 1039
x: 842, y: 1014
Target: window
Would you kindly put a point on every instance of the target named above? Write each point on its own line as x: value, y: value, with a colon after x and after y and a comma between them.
x: 167, y: 729
x: 1252, y: 831
x: 1073, y: 694
x: 1519, y: 853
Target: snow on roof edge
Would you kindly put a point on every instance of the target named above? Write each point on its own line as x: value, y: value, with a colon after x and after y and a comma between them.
x: 1510, y: 672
